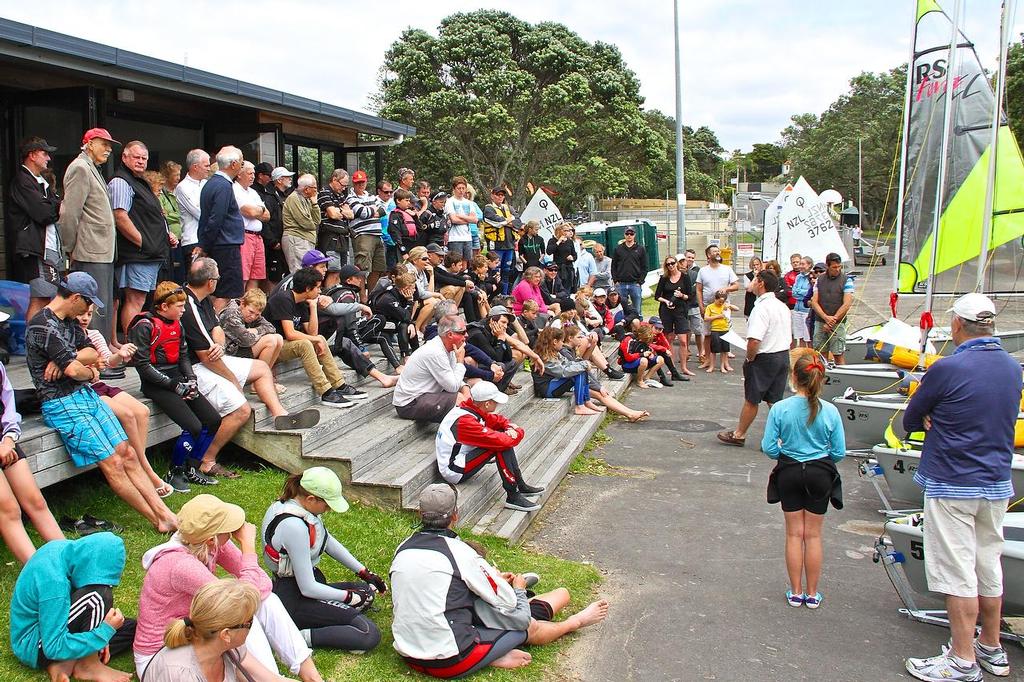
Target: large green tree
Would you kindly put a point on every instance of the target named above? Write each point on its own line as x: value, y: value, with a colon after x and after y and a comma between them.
x: 503, y: 101
x: 1014, y: 95
x: 765, y: 161
x: 701, y: 162
x: 824, y: 148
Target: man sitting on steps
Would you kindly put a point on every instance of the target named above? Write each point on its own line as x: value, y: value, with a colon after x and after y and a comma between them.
x: 473, y: 434
x: 431, y: 383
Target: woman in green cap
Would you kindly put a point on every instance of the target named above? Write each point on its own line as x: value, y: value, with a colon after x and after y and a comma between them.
x: 329, y: 615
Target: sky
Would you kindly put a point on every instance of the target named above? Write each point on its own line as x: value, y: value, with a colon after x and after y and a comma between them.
x: 748, y: 66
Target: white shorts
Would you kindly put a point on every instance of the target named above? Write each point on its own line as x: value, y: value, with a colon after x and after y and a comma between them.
x: 963, y: 543
x: 221, y: 393
x: 800, y: 331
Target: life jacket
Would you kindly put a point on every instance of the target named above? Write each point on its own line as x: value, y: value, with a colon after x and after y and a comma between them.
x: 280, y: 557
x: 410, y: 224
x: 494, y: 233
x: 164, y: 338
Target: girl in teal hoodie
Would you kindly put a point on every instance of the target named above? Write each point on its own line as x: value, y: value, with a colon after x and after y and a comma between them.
x: 62, y: 610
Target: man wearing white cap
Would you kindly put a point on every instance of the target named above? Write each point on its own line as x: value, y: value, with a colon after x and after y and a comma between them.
x: 968, y: 403
x: 472, y: 434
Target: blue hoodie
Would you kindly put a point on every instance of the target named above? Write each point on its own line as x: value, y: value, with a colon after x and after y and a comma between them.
x: 42, y: 597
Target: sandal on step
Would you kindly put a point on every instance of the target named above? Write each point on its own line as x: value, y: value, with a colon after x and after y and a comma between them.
x: 729, y: 438
x: 219, y: 471
x: 164, y: 490
x: 640, y: 417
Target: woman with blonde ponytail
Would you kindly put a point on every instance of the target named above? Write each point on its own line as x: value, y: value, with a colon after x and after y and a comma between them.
x: 208, y: 644
x: 805, y: 435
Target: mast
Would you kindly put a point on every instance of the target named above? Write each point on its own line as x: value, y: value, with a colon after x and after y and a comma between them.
x: 952, y: 71
x: 901, y: 197
x: 997, y: 114
x: 680, y: 182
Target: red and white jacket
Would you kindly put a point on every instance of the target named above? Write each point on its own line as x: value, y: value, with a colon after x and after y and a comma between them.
x: 467, y: 432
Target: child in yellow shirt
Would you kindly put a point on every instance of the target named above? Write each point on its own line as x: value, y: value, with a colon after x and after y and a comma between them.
x: 719, y: 313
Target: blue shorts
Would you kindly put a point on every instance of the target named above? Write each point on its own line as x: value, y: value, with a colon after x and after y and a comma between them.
x: 631, y: 366
x: 88, y: 427
x: 138, y: 276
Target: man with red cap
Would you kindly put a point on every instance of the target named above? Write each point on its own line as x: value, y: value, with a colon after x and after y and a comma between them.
x: 87, y: 223
x: 367, y: 210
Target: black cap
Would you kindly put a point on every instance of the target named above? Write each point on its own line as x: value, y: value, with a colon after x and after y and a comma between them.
x: 819, y: 267
x: 551, y: 266
x: 630, y: 230
x: 437, y: 249
x: 35, y: 144
x: 439, y: 194
x: 348, y: 270
x: 265, y: 168
x: 498, y: 190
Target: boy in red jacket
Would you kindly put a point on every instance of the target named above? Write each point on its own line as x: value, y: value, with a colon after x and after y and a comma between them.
x: 661, y: 346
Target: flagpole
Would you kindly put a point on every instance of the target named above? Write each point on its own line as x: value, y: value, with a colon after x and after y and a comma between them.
x: 997, y: 116
x: 680, y: 181
x: 953, y: 70
x: 901, y: 196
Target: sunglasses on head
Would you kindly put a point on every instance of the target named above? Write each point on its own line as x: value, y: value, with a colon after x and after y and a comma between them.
x: 178, y: 290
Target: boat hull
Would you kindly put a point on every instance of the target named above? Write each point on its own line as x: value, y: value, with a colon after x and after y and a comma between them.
x: 863, y: 378
x: 899, y: 466
x: 908, y: 539
x: 865, y: 420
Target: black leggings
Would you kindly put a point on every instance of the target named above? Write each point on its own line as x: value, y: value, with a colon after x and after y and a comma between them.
x: 366, y: 332
x: 505, y: 460
x: 191, y: 415
x: 332, y: 624
x: 89, y: 606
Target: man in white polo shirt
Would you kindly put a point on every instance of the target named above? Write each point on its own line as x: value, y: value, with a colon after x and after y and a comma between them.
x: 766, y: 369
x: 197, y: 163
x: 254, y: 212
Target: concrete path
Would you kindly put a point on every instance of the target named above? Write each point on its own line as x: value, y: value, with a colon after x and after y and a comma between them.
x: 693, y: 557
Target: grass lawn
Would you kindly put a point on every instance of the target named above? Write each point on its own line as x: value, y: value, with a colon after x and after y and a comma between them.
x: 371, y: 534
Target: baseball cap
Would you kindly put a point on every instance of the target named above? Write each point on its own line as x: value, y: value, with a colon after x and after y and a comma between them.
x: 333, y: 262
x: 551, y: 266
x: 359, y: 176
x: 438, y: 502
x: 499, y: 311
x: 280, y: 172
x: 498, y: 190
x: 101, y: 133
x: 83, y: 284
x: 36, y: 144
x: 439, y: 194
x: 349, y: 270
x: 483, y: 391
x: 655, y: 322
x: 819, y: 267
x: 205, y: 516
x: 630, y: 230
x: 313, y: 257
x: 975, y: 308
x: 264, y: 168
x: 436, y: 248
x: 600, y: 292
x: 324, y: 483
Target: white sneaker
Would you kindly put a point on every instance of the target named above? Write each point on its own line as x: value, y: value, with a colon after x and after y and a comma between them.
x: 943, y: 668
x: 651, y: 383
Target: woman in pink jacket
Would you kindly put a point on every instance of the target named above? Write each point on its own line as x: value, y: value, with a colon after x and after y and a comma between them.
x: 213, y: 533
x: 528, y: 289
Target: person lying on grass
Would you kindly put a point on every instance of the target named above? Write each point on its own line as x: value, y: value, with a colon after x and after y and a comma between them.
x: 436, y: 579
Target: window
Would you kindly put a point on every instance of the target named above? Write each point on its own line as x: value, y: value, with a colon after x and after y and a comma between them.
x: 326, y: 167
x: 309, y: 161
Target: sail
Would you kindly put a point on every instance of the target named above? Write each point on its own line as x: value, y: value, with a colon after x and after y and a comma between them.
x: 770, y: 241
x: 805, y: 227
x: 963, y: 204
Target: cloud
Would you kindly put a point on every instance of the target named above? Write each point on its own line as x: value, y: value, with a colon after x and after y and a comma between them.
x: 747, y: 65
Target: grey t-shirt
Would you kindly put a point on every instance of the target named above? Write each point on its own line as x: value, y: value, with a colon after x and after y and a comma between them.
x: 713, y: 279
x: 181, y: 665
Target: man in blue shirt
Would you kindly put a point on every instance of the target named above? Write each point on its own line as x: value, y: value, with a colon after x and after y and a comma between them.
x: 221, y: 228
x: 968, y: 403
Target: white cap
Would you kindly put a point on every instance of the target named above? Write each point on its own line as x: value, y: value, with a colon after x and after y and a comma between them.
x: 600, y: 292
x: 483, y: 391
x: 974, y: 307
x: 4, y: 316
x: 280, y: 172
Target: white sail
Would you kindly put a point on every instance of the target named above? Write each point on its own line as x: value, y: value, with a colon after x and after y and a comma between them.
x: 805, y: 227
x: 770, y: 241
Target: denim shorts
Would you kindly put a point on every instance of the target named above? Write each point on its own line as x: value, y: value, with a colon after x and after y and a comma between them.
x: 138, y: 276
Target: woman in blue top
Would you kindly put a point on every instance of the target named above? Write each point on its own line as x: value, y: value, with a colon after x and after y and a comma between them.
x: 805, y: 435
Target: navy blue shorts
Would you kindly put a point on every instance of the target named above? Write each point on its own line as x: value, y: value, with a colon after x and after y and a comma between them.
x: 229, y: 262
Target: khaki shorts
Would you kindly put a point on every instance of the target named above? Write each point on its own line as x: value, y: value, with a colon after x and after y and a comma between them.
x: 370, y: 253
x: 826, y: 341
x: 963, y: 543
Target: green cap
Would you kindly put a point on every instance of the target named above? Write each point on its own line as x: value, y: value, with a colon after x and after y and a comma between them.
x: 324, y: 483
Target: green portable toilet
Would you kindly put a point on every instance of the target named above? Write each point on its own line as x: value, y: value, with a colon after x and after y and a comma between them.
x: 595, y: 231
x: 646, y: 234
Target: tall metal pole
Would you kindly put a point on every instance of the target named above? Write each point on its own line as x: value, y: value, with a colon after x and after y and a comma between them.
x: 997, y: 119
x: 680, y: 184
x: 902, y: 190
x: 860, y: 183
x: 953, y: 63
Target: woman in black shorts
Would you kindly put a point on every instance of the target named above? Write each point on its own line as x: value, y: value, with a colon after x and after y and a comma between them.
x: 805, y: 434
x: 166, y: 378
x: 674, y: 292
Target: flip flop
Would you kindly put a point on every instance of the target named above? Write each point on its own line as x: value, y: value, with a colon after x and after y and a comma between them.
x: 728, y: 438
x: 70, y: 525
x: 102, y: 524
x: 165, y: 491
x: 639, y: 418
x: 301, y: 420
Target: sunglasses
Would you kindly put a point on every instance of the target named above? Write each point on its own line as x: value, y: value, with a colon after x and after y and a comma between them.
x: 460, y: 332
x: 179, y: 290
x: 241, y: 626
x: 670, y: 262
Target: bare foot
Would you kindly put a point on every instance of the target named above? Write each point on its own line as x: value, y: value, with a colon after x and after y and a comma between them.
x: 60, y: 671
x: 168, y: 525
x: 710, y: 370
x: 583, y: 410
x: 594, y: 407
x: 688, y: 373
x: 517, y: 658
x: 90, y: 668
x: 399, y: 369
x: 388, y: 381
x: 726, y: 370
x: 640, y: 385
x: 593, y: 614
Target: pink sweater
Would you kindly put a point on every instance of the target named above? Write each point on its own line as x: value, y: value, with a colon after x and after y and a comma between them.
x: 525, y: 291
x: 173, y: 576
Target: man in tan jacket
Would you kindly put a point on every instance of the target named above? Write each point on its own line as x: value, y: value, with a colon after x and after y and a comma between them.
x: 301, y: 217
x: 87, y: 223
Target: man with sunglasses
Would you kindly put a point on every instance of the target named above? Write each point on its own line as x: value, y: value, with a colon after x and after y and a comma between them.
x: 63, y: 365
x: 431, y: 384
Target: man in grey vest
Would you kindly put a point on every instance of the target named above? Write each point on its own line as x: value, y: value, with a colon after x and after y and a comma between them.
x: 832, y: 298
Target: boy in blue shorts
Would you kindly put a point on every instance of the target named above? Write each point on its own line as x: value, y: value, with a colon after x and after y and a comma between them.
x: 63, y: 364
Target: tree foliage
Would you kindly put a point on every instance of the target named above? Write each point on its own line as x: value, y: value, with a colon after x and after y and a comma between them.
x: 500, y: 100
x: 765, y: 161
x: 1014, y: 95
x: 701, y: 162
x: 824, y: 148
